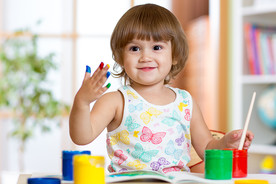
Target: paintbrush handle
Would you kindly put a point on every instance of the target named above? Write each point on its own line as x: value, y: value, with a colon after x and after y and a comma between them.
x: 247, y: 121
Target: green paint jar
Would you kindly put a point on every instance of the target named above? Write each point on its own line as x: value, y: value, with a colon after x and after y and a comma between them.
x: 218, y: 164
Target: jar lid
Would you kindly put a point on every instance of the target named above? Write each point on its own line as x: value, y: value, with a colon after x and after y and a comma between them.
x: 70, y: 154
x: 216, y: 153
x: 44, y: 181
x: 251, y: 182
x: 237, y: 152
x: 88, y: 159
x: 97, y: 160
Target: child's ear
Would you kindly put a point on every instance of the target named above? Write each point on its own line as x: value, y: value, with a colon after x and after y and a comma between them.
x: 174, y: 62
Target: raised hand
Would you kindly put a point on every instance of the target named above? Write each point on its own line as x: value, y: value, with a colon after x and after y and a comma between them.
x: 93, y: 86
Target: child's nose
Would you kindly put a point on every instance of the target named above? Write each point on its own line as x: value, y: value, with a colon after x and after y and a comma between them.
x: 146, y: 56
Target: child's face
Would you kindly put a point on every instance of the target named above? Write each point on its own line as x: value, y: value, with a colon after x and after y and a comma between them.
x: 147, y: 62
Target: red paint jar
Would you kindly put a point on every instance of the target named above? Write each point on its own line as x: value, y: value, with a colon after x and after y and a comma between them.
x: 239, y: 163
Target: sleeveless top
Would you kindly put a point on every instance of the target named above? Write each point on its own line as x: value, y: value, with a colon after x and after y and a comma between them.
x: 151, y: 137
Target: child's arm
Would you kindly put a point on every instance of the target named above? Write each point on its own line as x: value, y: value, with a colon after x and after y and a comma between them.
x: 83, y: 127
x: 200, y: 134
x: 202, y: 138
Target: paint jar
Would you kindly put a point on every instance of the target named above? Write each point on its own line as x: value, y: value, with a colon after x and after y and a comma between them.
x: 67, y: 163
x: 239, y: 163
x: 218, y: 164
x: 88, y: 169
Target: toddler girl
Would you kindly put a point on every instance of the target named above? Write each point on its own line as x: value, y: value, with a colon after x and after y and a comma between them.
x: 151, y: 126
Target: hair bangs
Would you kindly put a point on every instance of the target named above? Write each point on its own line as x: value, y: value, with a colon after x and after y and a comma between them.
x: 148, y: 25
x: 154, y: 31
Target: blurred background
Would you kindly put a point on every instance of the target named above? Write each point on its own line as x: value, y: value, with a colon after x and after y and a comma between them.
x: 45, y: 46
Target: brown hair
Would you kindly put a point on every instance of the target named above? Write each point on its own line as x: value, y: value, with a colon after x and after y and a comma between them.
x: 145, y: 22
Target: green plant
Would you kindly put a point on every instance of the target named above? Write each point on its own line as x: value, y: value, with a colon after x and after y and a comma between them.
x: 23, y: 77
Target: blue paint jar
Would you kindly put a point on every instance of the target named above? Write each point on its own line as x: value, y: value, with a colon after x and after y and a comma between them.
x: 67, y: 163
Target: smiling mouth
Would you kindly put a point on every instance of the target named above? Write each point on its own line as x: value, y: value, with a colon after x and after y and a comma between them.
x: 147, y: 68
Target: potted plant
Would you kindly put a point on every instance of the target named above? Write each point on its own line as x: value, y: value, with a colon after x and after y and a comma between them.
x: 23, y: 75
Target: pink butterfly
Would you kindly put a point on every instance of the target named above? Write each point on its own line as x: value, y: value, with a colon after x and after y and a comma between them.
x: 171, y: 169
x: 110, y: 169
x: 119, y: 154
x: 174, y: 168
x: 147, y: 135
x: 180, y: 164
x: 187, y: 114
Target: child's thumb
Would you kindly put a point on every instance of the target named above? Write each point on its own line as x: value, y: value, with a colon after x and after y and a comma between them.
x: 236, y: 134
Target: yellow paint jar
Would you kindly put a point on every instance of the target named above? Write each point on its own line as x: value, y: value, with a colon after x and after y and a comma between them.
x: 88, y: 169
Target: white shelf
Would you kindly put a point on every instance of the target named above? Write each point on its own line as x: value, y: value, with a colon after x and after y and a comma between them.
x: 262, y: 149
x: 259, y: 10
x: 259, y: 79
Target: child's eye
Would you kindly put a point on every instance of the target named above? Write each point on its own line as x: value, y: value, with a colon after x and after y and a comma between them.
x: 157, y: 47
x: 134, y: 48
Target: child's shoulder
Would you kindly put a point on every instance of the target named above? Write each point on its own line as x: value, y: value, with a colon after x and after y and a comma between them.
x: 110, y: 100
x: 184, y: 93
x: 114, y: 95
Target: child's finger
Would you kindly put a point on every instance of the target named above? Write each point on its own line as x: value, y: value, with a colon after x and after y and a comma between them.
x: 247, y: 144
x: 101, y: 65
x: 107, y: 66
x: 103, y: 80
x: 87, y: 72
x: 250, y: 135
x: 101, y: 76
x: 105, y: 75
x: 103, y: 89
x: 96, y: 72
x: 108, y: 85
x: 88, y: 69
x: 248, y: 139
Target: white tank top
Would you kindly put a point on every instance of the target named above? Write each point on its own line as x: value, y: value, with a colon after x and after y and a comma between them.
x: 151, y: 137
